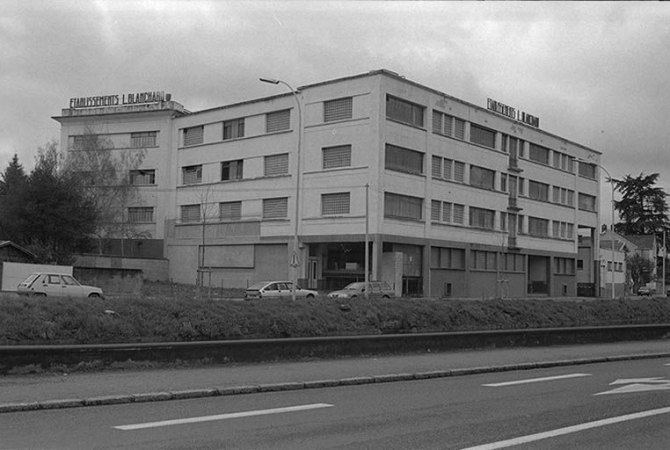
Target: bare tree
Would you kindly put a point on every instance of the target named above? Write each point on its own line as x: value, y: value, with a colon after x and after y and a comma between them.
x: 107, y: 173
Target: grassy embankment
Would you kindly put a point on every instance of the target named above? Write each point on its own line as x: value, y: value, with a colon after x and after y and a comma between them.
x: 177, y: 316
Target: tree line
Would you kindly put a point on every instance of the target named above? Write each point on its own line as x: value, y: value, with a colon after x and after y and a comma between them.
x: 69, y: 205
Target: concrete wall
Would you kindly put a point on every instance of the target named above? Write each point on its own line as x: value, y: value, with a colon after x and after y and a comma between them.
x: 152, y: 269
x: 15, y: 273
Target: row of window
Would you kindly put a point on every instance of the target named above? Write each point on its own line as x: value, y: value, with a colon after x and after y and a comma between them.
x: 444, y: 124
x: 333, y: 110
x: 454, y: 258
x: 272, y: 208
x: 139, y: 140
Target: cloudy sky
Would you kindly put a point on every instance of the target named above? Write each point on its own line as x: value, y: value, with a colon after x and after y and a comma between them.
x: 594, y: 73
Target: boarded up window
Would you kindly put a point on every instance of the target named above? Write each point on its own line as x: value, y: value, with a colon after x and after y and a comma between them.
x: 334, y: 204
x: 230, y: 210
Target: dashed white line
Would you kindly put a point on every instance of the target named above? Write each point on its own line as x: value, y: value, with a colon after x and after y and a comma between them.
x: 569, y: 430
x: 261, y: 412
x: 538, y: 380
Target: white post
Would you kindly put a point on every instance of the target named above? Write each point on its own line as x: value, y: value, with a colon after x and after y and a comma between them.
x: 367, y: 240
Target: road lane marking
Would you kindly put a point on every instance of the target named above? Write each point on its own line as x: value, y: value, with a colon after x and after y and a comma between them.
x: 261, y: 412
x: 569, y: 430
x: 638, y: 385
x: 538, y: 380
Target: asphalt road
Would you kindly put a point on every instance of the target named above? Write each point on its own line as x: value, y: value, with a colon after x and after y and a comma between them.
x: 622, y: 405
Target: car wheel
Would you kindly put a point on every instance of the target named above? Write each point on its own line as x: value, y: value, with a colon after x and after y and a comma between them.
x: 353, y: 297
x: 310, y: 296
x: 94, y: 295
x: 385, y: 296
x: 39, y: 294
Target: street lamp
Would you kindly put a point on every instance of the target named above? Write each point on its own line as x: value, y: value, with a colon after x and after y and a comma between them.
x: 294, y: 260
x: 612, y: 237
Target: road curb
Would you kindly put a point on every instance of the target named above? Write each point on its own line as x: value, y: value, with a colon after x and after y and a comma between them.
x: 315, y: 384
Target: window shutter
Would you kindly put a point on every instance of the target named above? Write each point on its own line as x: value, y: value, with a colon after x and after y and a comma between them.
x: 278, y: 121
x: 339, y: 109
x: 276, y: 165
x: 339, y: 156
x: 437, y: 167
x: 459, y: 171
x: 333, y: 204
x: 459, y: 131
x: 435, y: 210
x: 275, y: 208
x: 193, y: 136
x: 230, y: 210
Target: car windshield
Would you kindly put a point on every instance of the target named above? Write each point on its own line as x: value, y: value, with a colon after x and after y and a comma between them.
x: 354, y: 286
x: 30, y: 278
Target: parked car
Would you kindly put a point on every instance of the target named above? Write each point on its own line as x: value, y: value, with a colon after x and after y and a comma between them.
x: 377, y: 289
x: 276, y: 289
x: 41, y: 284
x: 644, y: 290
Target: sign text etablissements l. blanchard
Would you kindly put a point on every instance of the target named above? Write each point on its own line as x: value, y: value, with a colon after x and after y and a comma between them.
x: 100, y: 101
x: 512, y: 113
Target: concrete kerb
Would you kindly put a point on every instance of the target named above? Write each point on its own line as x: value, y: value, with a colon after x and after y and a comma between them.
x: 289, y: 386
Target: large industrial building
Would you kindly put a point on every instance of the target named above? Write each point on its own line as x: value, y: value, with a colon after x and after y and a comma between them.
x: 453, y: 199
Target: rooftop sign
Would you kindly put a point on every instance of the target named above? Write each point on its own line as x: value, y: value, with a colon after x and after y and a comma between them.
x: 512, y: 113
x: 100, y: 101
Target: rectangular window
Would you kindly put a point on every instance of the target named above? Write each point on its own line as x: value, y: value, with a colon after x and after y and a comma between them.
x: 483, y: 260
x: 539, y: 154
x: 503, y: 182
x: 436, y: 167
x: 538, y: 227
x: 403, y: 160
x: 232, y: 170
x: 275, y: 165
x: 513, y: 146
x: 404, y: 111
x: 564, y: 196
x: 482, y: 178
x: 278, y: 121
x: 482, y: 136
x: 448, y: 125
x: 587, y: 170
x: 340, y: 109
x: 190, y: 213
x: 335, y: 204
x: 538, y: 191
x: 447, y: 212
x: 459, y: 171
x: 339, y: 156
x: 193, y: 135
x: 587, y: 202
x: 503, y: 221
x: 565, y: 266
x: 482, y: 218
x: 459, y: 213
x: 145, y: 177
x: 402, y: 206
x: 563, y: 162
x: 459, y: 128
x: 275, y: 208
x: 192, y: 174
x: 141, y: 214
x: 562, y: 230
x: 230, y: 210
x: 143, y: 139
x: 520, y: 224
x: 233, y: 129
x: 435, y: 209
x: 447, y: 258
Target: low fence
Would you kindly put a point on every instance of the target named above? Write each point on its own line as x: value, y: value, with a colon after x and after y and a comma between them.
x: 263, y: 350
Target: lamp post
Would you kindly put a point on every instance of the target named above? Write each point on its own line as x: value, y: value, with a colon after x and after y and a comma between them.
x: 294, y: 260
x: 612, y: 237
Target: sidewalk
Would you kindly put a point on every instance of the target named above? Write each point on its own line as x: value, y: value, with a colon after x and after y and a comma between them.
x: 46, y: 391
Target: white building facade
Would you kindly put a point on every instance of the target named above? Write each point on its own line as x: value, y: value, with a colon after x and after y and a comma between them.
x: 455, y: 200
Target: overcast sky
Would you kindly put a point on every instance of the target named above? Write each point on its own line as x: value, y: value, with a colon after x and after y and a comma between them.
x: 594, y: 73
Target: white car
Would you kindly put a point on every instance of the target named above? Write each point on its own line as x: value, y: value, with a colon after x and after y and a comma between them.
x: 42, y: 284
x: 276, y: 289
x: 354, y: 290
